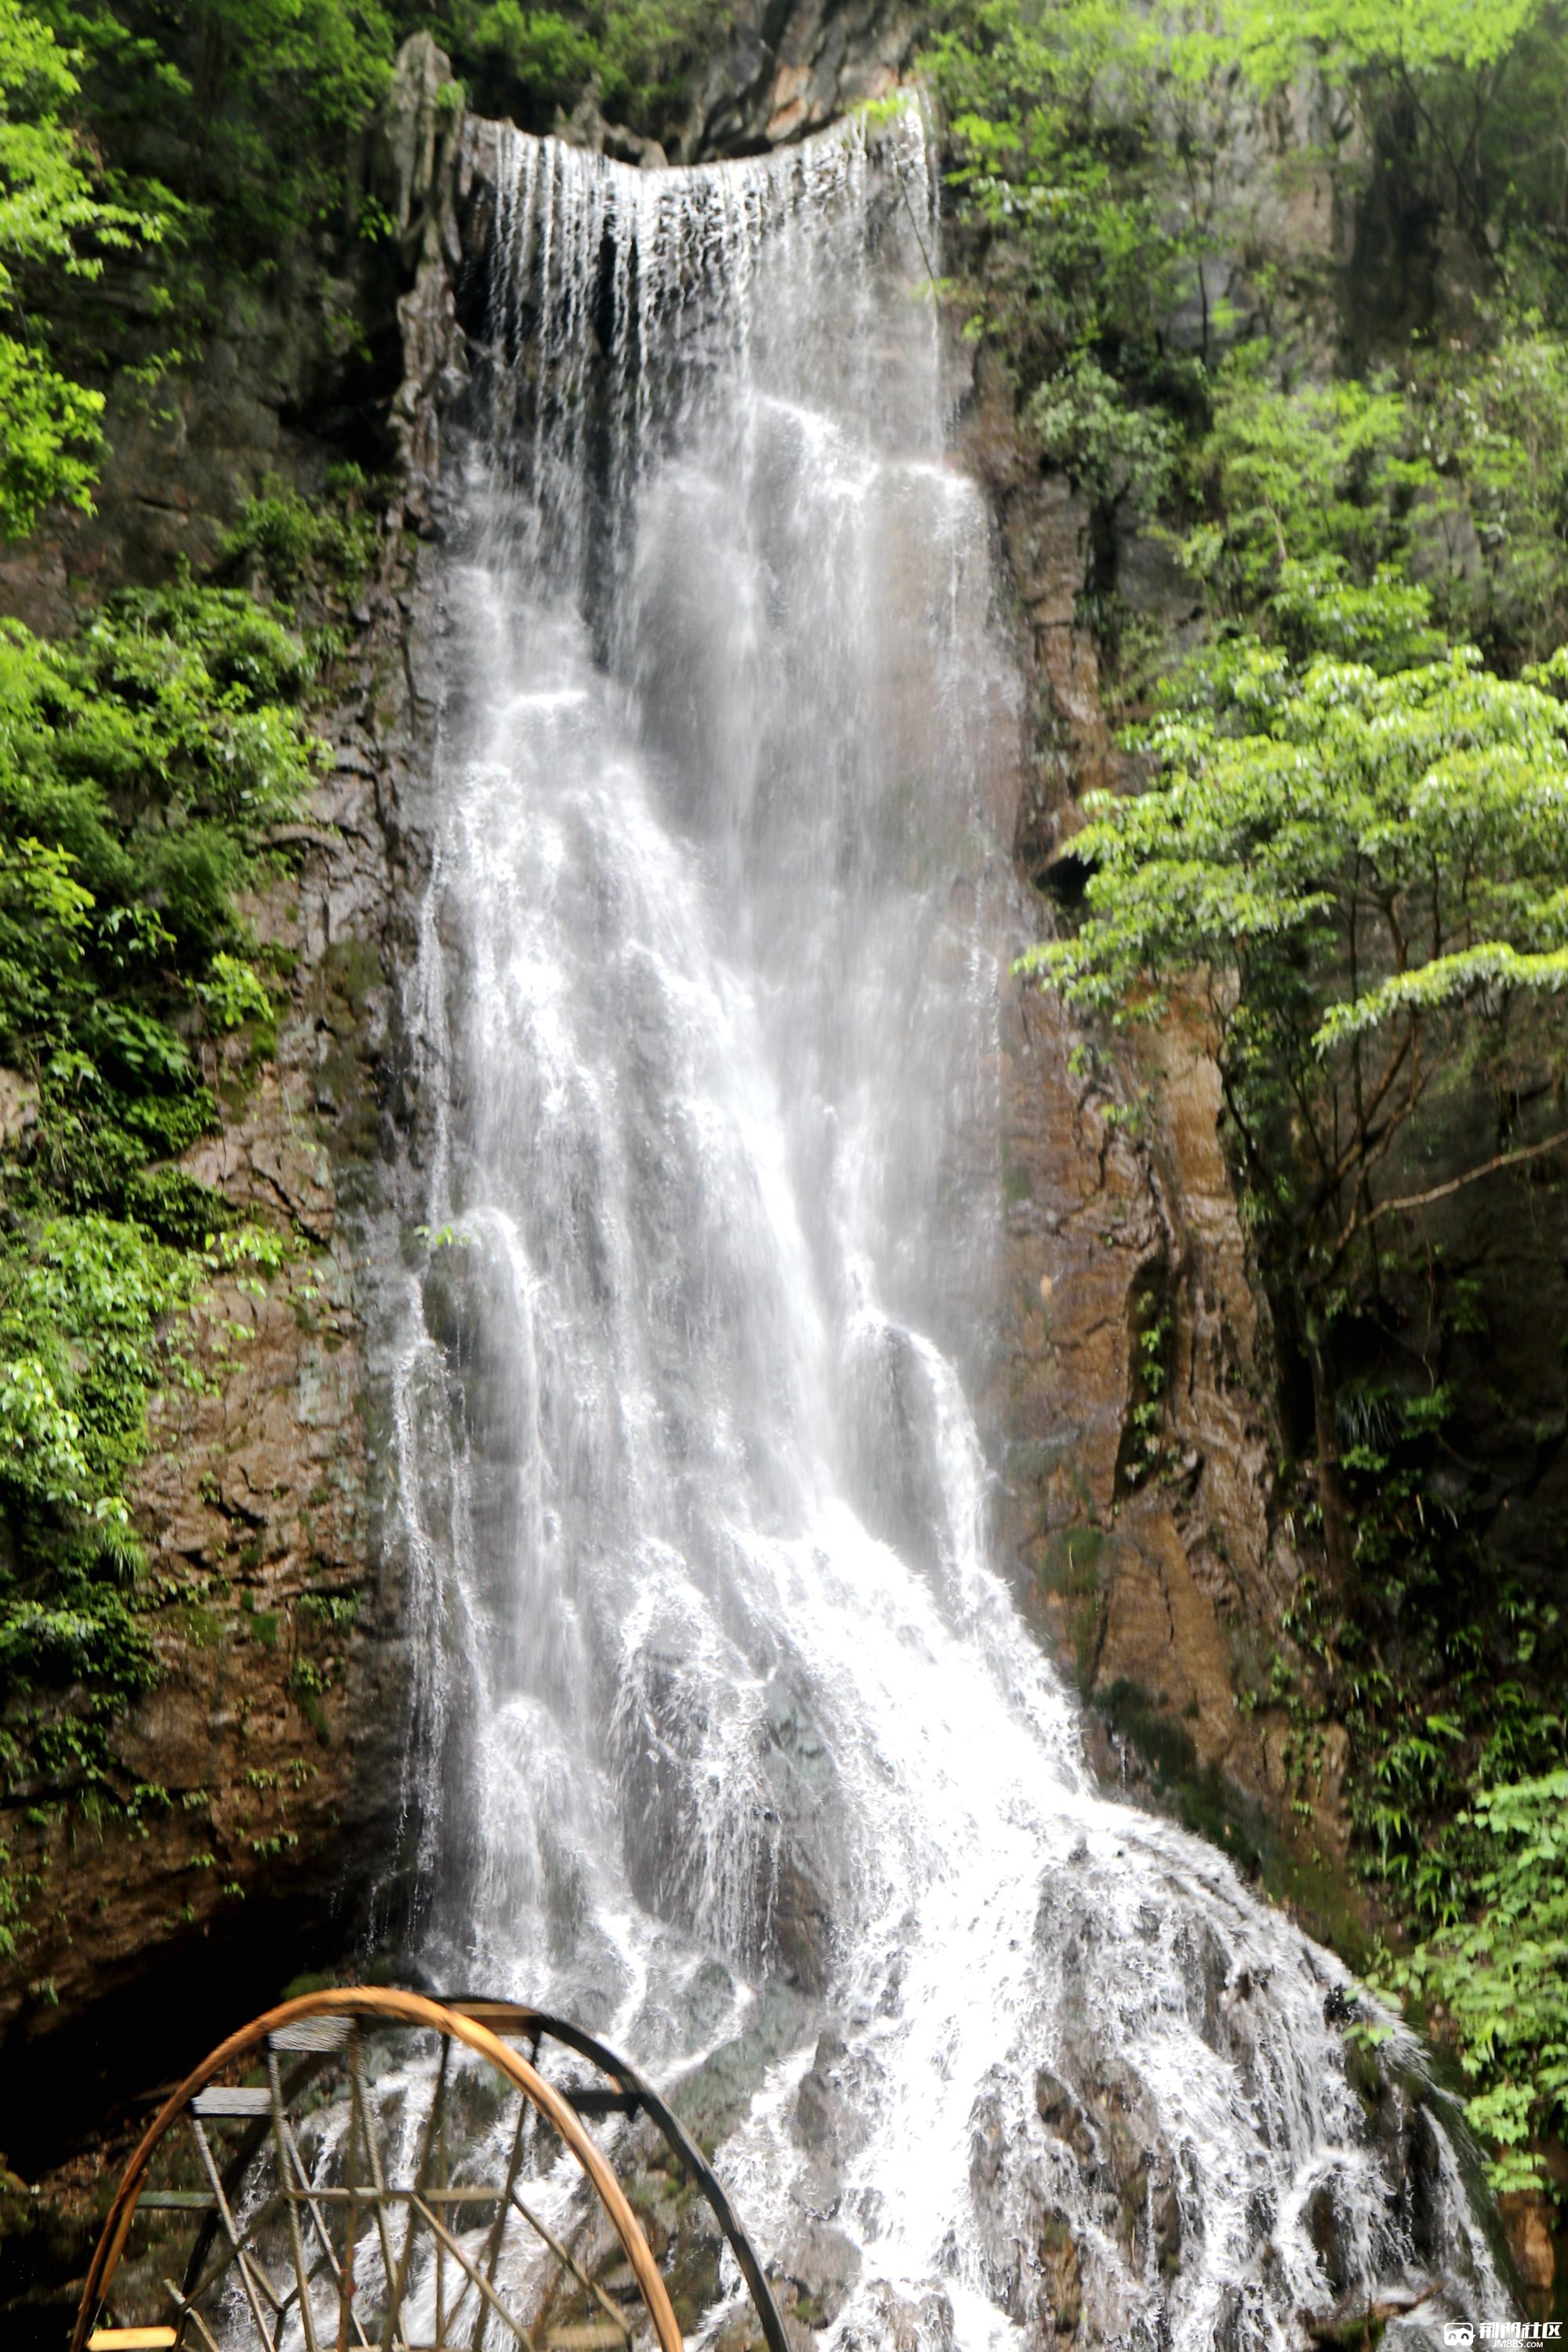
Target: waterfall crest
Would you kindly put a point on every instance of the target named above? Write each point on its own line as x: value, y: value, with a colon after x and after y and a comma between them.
x: 730, y: 1734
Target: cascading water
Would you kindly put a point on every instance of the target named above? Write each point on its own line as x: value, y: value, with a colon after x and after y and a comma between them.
x: 719, y: 1689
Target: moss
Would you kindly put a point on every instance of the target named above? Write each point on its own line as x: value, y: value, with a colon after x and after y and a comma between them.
x: 692, y: 2279
x: 1198, y: 1794
x: 201, y: 1627
x: 1032, y: 1461
x: 1360, y: 2334
x: 1291, y: 1871
x: 1071, y: 1564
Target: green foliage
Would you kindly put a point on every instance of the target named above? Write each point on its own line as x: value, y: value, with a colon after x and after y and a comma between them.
x: 53, y: 217
x: 289, y: 539
x: 51, y: 441
x: 1061, y: 164
x: 141, y: 769
x: 143, y: 766
x: 637, y: 55
x: 237, y: 112
x: 1502, y: 1977
x: 1496, y: 538
x: 1364, y: 876
x: 90, y: 1295
x: 336, y: 1611
x: 1459, y: 105
x: 234, y: 995
x: 1297, y: 477
x: 537, y: 52
x: 1120, y: 455
x: 1344, y: 38
x: 1350, y: 516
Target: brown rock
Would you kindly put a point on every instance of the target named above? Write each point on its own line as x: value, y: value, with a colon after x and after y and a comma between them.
x: 1527, y: 2218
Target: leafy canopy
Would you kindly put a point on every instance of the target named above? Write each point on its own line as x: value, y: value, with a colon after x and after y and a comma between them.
x: 1060, y: 164
x: 1360, y: 873
x: 638, y: 56
x: 1347, y: 37
x: 52, y: 214
x: 235, y: 116
x: 1351, y: 516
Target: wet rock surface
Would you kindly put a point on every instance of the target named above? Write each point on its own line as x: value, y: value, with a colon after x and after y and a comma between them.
x: 1149, y: 1572
x: 1154, y: 1549
x: 791, y: 66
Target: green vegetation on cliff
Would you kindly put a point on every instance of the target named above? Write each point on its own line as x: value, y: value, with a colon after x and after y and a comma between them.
x: 155, y: 164
x: 1345, y: 834
x: 54, y: 217
x: 1362, y: 876
x: 145, y: 767
x: 637, y: 57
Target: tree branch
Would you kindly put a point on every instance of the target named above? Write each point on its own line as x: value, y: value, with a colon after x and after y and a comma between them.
x: 1456, y: 1183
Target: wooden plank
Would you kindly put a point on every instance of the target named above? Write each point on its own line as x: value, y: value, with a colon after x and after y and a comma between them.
x: 131, y: 2339
x: 312, y: 2033
x: 590, y: 2099
x: 364, y: 2195
x: 586, y: 2335
x: 191, y: 2318
x: 501, y: 2016
x: 176, y: 2201
x: 218, y: 2100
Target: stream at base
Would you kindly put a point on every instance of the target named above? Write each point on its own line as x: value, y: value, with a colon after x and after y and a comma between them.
x: 730, y: 1741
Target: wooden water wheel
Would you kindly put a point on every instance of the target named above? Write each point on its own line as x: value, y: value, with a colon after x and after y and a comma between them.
x: 363, y: 2170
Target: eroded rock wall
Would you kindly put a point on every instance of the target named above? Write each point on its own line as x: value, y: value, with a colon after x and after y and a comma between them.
x: 267, y: 1765
x: 1143, y: 1510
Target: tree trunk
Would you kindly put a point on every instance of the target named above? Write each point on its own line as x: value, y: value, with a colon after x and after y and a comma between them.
x: 1336, y: 1545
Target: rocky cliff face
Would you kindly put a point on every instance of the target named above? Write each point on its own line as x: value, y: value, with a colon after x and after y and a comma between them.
x: 791, y: 66
x: 268, y: 1762
x: 1144, y: 1508
x: 275, y: 1730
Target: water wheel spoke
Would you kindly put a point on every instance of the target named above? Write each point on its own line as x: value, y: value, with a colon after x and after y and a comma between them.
x: 310, y: 2195
x: 187, y: 2312
x: 296, y: 2239
x: 444, y: 2239
x: 432, y: 2125
x: 497, y: 2228
x: 362, y: 2109
x: 252, y: 2277
x: 443, y: 2177
x: 568, y: 2262
x: 222, y: 2254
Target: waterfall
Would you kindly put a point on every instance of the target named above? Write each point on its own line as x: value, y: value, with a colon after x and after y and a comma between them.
x: 730, y: 1738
